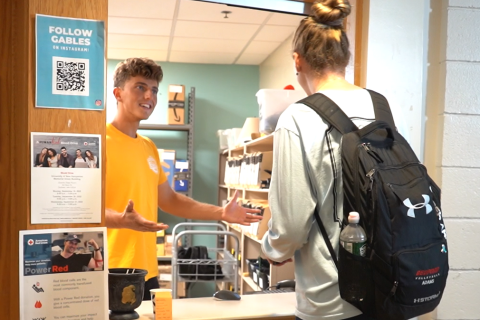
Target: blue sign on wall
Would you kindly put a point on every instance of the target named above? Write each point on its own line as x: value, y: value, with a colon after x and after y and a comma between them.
x: 70, y: 63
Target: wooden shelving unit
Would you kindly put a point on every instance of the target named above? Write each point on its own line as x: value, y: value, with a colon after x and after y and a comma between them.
x: 250, y: 244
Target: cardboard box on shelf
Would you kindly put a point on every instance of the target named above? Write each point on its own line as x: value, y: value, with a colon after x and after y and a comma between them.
x: 160, y: 243
x: 167, y: 160
x: 181, y: 292
x: 165, y: 279
x: 169, y: 244
x: 176, y: 92
x: 168, y: 251
x: 176, y: 104
x: 165, y: 272
x: 176, y: 116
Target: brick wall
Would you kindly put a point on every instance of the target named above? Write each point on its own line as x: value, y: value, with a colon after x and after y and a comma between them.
x: 458, y: 156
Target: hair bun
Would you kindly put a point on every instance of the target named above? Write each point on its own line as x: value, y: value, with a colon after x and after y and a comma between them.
x: 330, y: 12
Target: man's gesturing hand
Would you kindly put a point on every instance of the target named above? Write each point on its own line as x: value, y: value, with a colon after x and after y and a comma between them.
x: 234, y: 213
x: 133, y: 220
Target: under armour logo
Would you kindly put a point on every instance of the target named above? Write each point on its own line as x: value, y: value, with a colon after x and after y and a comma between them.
x: 412, y: 208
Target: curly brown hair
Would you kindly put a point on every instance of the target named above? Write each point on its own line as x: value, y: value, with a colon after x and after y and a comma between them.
x: 321, y: 39
x: 133, y: 67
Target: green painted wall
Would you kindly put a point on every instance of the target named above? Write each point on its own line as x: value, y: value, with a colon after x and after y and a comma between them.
x: 225, y: 96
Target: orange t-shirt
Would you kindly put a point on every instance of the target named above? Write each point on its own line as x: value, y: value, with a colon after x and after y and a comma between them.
x: 133, y: 171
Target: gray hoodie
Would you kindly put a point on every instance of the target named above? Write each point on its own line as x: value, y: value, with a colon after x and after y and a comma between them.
x: 306, y: 170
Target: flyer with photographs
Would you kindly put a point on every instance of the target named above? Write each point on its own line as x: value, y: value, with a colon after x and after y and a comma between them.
x: 70, y: 60
x: 66, y: 184
x: 63, y: 274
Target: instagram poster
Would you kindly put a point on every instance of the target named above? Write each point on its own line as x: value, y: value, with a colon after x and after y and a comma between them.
x: 63, y: 274
x: 66, y: 178
x: 70, y: 61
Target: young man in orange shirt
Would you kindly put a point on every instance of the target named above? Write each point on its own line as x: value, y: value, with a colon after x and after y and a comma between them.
x: 134, y: 175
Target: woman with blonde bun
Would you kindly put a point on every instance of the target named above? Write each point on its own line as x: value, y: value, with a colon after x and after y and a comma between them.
x: 307, y: 165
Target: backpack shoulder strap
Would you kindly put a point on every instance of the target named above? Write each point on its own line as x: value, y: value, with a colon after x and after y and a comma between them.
x: 325, y: 236
x: 381, y: 108
x: 330, y: 112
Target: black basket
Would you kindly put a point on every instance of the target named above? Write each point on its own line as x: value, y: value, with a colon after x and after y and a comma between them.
x: 251, y: 264
x: 263, y: 281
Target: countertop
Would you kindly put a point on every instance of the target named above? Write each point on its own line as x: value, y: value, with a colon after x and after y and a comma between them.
x: 255, y: 306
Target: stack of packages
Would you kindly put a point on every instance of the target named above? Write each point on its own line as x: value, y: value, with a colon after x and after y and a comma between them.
x: 176, y: 104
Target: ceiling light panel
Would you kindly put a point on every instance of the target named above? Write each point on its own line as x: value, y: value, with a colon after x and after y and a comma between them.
x: 231, y: 31
x: 138, y: 42
x: 280, y: 19
x: 157, y: 9
x: 202, y: 11
x: 274, y: 33
x: 139, y: 26
x: 122, y: 54
x: 202, y: 57
x: 262, y: 47
x: 208, y: 45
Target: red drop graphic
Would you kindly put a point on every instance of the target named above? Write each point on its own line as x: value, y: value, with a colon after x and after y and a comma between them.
x: 38, y: 304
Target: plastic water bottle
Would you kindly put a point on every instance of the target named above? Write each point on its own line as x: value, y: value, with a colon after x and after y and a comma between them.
x: 353, y: 237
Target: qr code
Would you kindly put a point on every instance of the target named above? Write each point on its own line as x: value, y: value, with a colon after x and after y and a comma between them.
x: 70, y: 76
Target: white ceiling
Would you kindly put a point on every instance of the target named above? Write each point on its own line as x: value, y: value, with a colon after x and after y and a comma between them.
x: 194, y: 32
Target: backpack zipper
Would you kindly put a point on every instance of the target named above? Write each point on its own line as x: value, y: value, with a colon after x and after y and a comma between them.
x: 394, y: 288
x: 403, y: 166
x: 369, y: 175
x: 391, y: 294
x: 371, y: 153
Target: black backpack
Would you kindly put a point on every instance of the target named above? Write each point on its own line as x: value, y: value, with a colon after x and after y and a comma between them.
x: 405, y: 269
x: 194, y: 264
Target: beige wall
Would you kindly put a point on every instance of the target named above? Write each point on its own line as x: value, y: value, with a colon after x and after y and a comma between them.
x: 278, y: 70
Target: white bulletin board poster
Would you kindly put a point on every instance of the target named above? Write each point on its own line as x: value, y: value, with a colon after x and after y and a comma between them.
x: 66, y: 179
x: 63, y: 274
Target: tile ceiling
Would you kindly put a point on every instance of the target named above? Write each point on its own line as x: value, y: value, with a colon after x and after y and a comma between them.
x: 194, y: 32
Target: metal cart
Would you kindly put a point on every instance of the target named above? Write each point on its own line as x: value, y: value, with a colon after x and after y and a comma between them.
x: 220, y: 257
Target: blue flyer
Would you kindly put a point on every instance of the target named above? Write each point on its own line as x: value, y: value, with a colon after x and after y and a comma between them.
x: 70, y: 60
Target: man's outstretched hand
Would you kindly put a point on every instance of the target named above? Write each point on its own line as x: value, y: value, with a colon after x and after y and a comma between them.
x: 235, y: 213
x: 135, y: 221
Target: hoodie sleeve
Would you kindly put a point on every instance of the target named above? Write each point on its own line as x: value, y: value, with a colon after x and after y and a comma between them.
x: 290, y: 198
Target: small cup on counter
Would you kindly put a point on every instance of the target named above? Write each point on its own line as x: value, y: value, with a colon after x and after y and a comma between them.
x: 162, y: 303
